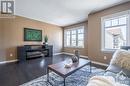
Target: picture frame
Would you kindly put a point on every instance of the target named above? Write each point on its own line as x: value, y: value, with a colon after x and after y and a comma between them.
x: 32, y: 34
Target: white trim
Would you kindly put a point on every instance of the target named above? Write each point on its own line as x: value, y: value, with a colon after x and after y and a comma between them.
x: 73, y: 54
x: 71, y: 29
x: 127, y: 12
x: 10, y: 61
x: 57, y: 54
x: 75, y: 28
x: 116, y: 14
x: 128, y: 29
x: 74, y: 47
x: 67, y: 53
x: 95, y: 62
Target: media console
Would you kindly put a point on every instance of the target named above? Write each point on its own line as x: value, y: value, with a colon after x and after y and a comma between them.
x: 32, y: 51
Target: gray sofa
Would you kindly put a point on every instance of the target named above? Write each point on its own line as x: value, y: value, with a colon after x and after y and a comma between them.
x: 116, y: 69
x: 119, y: 58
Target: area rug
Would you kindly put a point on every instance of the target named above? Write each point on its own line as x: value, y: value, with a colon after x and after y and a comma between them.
x: 79, y: 78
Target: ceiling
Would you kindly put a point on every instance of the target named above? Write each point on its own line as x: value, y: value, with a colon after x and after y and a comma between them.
x: 61, y: 12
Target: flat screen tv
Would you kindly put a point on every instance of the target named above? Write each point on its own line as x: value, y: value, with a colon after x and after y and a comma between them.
x: 32, y: 34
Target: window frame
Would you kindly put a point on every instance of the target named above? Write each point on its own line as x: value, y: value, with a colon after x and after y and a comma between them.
x: 70, y: 29
x: 113, y: 16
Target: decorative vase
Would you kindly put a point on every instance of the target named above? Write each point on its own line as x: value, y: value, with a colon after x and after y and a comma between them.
x: 75, y: 58
x: 77, y: 54
x: 45, y: 44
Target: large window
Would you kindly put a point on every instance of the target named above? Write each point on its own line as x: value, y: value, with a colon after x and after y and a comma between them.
x: 115, y: 31
x: 74, y: 37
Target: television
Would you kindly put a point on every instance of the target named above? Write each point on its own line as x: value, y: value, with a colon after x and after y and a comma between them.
x: 32, y: 34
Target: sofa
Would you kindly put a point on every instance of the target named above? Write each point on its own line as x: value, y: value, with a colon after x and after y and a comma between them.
x: 120, y: 63
x: 115, y: 68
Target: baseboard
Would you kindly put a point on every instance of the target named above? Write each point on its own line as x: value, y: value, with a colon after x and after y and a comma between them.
x: 10, y: 61
x: 3, y: 62
x: 95, y: 62
x: 57, y: 54
x: 73, y: 54
x: 67, y: 53
x: 99, y: 63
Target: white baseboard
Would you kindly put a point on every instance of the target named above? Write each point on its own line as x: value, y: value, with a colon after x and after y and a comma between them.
x: 10, y: 61
x: 4, y: 62
x: 57, y: 54
x: 73, y: 54
x: 99, y: 63
x: 67, y: 53
x: 95, y: 62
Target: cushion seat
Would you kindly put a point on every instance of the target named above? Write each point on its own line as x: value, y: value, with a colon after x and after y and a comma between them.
x: 116, y: 69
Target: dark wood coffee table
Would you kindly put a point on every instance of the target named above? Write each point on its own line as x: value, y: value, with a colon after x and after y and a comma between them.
x: 60, y: 69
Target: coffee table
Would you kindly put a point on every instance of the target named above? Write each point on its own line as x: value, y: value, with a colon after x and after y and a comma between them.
x: 59, y: 68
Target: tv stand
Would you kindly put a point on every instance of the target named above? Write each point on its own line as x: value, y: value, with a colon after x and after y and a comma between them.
x: 33, y: 51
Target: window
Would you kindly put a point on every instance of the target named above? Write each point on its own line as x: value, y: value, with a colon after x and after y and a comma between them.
x: 74, y: 37
x: 115, y: 31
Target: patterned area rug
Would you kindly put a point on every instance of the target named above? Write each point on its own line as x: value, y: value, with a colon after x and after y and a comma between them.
x: 79, y: 78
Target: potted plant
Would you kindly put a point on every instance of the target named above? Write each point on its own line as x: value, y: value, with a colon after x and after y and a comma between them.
x: 45, y: 43
x: 46, y: 39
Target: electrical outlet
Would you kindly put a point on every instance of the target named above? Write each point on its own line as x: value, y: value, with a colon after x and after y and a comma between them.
x: 105, y: 57
x: 11, y: 54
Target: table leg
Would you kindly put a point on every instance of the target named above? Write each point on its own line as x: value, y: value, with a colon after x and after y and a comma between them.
x: 47, y: 74
x: 64, y: 81
x: 90, y: 67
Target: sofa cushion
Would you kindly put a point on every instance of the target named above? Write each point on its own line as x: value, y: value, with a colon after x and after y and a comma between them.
x: 116, y: 69
x: 122, y: 59
x: 103, y: 81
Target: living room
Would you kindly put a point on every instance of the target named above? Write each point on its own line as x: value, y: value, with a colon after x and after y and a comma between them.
x: 62, y: 32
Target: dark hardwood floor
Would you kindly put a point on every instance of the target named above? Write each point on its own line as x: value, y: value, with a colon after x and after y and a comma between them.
x: 15, y: 74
